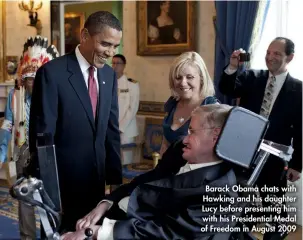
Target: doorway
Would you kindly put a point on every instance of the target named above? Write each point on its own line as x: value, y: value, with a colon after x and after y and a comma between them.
x: 67, y: 20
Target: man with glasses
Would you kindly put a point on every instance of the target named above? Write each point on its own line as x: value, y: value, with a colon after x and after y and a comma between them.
x: 128, y: 98
x: 171, y: 206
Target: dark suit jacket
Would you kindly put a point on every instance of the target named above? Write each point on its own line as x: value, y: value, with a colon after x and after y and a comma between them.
x: 286, y: 115
x: 88, y: 150
x: 169, y: 165
x: 171, y: 208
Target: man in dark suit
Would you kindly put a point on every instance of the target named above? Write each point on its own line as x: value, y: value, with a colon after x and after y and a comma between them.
x: 75, y: 100
x: 172, y: 205
x: 274, y: 94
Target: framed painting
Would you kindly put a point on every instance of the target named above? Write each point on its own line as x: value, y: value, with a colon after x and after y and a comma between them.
x: 11, y: 67
x: 55, y: 24
x: 73, y: 23
x: 151, y: 108
x: 165, y: 27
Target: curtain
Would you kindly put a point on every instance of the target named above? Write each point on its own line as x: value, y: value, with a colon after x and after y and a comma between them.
x: 258, y: 30
x: 284, y: 19
x: 234, y: 24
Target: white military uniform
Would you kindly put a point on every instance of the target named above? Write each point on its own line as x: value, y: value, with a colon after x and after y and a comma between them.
x: 128, y: 97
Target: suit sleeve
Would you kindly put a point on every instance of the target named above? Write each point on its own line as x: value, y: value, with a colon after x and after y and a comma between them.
x: 161, y: 212
x: 234, y: 85
x: 112, y: 142
x: 132, y: 108
x: 170, y: 163
x: 43, y: 113
x: 296, y: 161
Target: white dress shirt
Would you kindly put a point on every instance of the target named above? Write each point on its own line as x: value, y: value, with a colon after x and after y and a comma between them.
x: 84, y: 66
x: 106, y: 231
x: 280, y: 79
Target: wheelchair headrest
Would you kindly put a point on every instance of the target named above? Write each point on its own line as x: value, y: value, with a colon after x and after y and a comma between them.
x: 241, y: 137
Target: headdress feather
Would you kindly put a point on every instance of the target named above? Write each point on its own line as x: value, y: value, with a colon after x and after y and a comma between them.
x: 36, y: 52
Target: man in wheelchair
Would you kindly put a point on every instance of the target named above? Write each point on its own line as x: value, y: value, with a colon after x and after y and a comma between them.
x: 197, y: 201
x: 176, y: 207
x: 193, y: 191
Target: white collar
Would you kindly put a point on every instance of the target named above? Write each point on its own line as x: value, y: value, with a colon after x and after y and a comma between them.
x: 123, y: 77
x: 281, y: 75
x: 201, y: 165
x: 84, y: 64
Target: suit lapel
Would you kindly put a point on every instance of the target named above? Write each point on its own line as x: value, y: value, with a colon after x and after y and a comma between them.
x: 281, y: 97
x: 77, y: 81
x: 101, y: 98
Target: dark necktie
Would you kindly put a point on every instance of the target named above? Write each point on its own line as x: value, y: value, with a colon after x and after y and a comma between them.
x: 92, y: 89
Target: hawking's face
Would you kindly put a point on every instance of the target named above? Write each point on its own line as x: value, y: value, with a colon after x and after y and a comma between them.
x: 200, y: 141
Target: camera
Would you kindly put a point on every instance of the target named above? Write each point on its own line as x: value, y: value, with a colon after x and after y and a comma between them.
x: 244, y: 57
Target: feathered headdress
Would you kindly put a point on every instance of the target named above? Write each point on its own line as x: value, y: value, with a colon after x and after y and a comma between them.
x: 36, y: 52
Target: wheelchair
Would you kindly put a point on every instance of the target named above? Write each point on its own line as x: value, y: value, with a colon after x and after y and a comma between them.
x: 248, y: 158
x: 247, y: 153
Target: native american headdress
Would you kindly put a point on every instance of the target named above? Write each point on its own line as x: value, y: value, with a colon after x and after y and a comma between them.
x: 36, y: 52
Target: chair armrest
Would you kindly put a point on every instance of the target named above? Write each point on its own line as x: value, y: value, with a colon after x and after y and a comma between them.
x: 156, y: 158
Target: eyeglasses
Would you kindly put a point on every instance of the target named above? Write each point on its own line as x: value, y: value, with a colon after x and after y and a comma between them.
x: 192, y: 131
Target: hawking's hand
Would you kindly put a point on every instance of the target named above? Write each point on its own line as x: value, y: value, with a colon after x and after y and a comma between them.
x: 93, y: 217
x: 293, y: 175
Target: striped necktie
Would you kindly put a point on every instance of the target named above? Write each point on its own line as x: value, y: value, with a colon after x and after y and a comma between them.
x: 268, y: 97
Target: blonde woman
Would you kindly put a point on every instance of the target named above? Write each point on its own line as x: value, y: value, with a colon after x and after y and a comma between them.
x: 191, y: 87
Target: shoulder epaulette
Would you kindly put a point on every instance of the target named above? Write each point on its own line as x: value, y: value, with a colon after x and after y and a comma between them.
x: 132, y: 80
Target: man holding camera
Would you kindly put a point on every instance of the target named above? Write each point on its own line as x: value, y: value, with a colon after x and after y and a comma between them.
x: 274, y: 94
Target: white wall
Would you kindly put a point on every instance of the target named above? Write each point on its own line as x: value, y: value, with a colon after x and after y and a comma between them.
x: 17, y: 30
x: 152, y: 71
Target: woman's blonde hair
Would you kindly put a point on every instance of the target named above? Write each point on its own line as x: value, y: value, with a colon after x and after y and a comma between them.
x: 192, y: 59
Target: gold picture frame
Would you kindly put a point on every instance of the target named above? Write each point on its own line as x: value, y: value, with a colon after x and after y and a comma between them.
x: 73, y: 23
x: 2, y: 41
x: 168, y: 35
x: 11, y: 67
x: 151, y: 108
